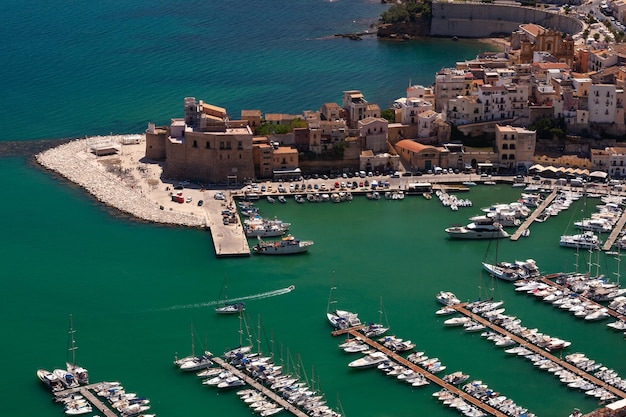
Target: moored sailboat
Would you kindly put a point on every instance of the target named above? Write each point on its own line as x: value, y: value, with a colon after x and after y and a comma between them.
x: 80, y: 373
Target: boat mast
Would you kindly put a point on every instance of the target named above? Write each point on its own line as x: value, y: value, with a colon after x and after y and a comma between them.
x: 193, y: 353
x: 618, y: 259
x: 73, y: 346
x: 330, y: 294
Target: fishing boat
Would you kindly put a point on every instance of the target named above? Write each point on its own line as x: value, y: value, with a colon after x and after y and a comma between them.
x: 260, y: 227
x: 286, y: 246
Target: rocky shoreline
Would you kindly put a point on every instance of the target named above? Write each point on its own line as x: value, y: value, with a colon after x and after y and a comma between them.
x: 72, y: 161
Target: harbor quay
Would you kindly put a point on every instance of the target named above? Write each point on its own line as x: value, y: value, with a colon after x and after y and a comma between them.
x: 136, y: 186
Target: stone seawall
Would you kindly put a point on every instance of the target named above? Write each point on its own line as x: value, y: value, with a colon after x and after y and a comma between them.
x: 480, y: 20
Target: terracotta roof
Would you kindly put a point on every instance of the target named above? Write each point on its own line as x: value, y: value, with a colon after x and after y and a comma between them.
x: 413, y: 146
x: 533, y: 29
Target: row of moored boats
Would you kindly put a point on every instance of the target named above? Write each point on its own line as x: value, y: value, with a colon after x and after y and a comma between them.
x: 262, y: 369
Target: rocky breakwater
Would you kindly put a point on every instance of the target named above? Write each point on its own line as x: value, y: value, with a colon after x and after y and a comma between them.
x: 74, y: 162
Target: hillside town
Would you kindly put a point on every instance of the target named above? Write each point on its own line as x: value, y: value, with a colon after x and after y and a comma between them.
x: 549, y: 101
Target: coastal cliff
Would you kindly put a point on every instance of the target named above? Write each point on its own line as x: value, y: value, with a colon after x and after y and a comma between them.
x: 403, y: 30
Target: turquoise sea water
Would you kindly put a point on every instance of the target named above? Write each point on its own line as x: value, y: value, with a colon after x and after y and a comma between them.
x: 73, y: 69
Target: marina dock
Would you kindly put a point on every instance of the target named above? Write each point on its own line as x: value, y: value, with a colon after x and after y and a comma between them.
x: 547, y: 279
x: 261, y: 388
x: 615, y: 233
x: 85, y: 391
x: 354, y: 331
x: 530, y: 219
x: 538, y: 350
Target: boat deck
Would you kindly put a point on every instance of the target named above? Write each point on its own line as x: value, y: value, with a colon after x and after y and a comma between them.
x: 261, y: 388
x: 523, y: 342
x: 354, y: 331
x: 530, y: 219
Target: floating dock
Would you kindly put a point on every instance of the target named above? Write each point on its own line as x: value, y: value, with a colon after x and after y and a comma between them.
x: 547, y: 279
x: 523, y: 342
x: 85, y: 391
x: 354, y: 331
x: 530, y: 219
x: 290, y: 408
x: 617, y: 229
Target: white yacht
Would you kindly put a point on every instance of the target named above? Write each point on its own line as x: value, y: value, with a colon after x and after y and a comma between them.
x: 596, y: 225
x: 478, y: 229
x: 369, y: 360
x: 585, y: 240
x: 447, y: 298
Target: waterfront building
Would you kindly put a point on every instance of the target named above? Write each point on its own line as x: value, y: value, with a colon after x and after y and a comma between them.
x: 426, y: 124
x: 421, y: 92
x: 253, y: 117
x: 262, y: 154
x: 451, y: 83
x: 204, y: 146
x: 418, y: 156
x: 562, y: 160
x: 600, y: 159
x: 285, y: 163
x: 358, y: 108
x: 332, y: 111
x: 381, y: 162
x: 515, y: 148
x: 373, y: 133
x: 408, y: 108
x: 617, y: 162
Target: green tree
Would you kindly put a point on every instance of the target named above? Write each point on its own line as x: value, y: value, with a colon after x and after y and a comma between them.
x: 585, y: 34
x: 389, y: 115
x: 596, y: 36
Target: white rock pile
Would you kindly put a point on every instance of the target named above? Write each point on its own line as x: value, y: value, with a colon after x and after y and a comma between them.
x: 71, y: 161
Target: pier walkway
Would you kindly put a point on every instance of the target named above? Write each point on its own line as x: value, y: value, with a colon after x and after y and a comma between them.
x: 85, y: 391
x: 261, y: 388
x: 228, y: 239
x: 431, y: 377
x: 536, y: 349
x: 617, y: 229
x: 524, y: 226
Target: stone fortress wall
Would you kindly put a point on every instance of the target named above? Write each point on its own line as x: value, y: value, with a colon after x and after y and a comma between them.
x: 481, y: 20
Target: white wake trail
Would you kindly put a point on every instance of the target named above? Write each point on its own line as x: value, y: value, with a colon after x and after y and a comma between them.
x: 259, y: 296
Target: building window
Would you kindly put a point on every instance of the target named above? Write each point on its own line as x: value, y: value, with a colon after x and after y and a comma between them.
x: 239, y: 145
x: 207, y: 145
x: 195, y: 143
